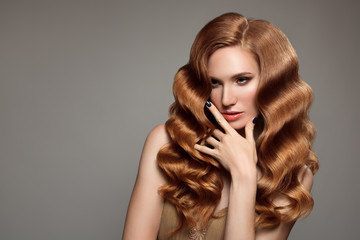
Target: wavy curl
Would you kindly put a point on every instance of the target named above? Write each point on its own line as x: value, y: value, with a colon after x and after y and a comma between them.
x: 284, y: 146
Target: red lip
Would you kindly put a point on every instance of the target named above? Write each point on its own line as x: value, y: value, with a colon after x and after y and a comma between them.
x: 231, y: 115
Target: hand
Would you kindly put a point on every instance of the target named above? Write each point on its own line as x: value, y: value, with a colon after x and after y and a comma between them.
x: 234, y: 152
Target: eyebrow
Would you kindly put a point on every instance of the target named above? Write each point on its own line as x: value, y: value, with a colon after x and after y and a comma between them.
x: 235, y: 76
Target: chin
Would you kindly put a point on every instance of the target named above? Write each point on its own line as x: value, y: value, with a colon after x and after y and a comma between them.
x: 237, y: 125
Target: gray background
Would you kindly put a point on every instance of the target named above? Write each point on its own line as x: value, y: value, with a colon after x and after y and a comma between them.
x: 83, y: 82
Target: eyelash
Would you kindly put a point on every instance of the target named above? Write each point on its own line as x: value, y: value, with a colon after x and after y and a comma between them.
x: 214, y: 82
x: 240, y: 81
x: 243, y: 80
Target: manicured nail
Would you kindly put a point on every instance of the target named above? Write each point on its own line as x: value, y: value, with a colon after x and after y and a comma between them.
x: 254, y: 120
x: 208, y: 103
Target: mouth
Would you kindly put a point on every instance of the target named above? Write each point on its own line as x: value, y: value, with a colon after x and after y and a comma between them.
x: 231, y: 115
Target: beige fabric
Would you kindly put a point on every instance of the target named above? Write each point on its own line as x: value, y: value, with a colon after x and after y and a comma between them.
x: 170, y: 220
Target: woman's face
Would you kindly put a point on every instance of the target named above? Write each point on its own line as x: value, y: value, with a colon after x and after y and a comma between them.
x: 234, y: 77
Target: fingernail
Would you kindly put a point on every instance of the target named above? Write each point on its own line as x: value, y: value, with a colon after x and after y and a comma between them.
x: 208, y: 103
x: 254, y: 120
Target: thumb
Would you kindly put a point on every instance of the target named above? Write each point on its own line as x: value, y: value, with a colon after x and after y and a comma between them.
x: 249, y: 130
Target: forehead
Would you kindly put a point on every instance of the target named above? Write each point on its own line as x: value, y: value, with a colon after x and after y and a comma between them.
x: 227, y: 61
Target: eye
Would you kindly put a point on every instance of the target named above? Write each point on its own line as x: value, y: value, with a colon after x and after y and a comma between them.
x: 243, y: 80
x: 214, y: 82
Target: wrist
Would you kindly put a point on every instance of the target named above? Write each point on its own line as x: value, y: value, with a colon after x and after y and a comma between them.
x: 245, y: 179
x: 246, y: 175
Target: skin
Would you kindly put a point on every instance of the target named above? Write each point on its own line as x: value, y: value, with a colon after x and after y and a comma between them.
x: 235, y: 77
x: 234, y: 148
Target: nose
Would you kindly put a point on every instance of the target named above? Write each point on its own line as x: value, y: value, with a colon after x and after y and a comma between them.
x: 228, y: 96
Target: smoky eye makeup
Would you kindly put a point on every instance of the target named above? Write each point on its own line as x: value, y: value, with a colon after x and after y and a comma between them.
x: 243, y: 80
x: 214, y: 82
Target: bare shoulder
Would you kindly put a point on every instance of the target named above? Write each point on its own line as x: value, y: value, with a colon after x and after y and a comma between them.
x: 158, y: 136
x: 156, y: 139
x: 283, y: 230
x: 306, y: 177
x: 145, y: 207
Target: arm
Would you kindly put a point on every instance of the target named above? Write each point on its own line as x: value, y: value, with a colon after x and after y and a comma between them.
x: 145, y: 207
x: 242, y: 199
x: 240, y: 222
x: 238, y: 155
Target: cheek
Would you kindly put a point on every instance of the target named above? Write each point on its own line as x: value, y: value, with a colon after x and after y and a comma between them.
x: 248, y: 97
x: 252, y: 96
x: 215, y: 97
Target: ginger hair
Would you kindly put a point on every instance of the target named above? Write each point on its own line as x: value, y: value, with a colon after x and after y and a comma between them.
x: 284, y: 145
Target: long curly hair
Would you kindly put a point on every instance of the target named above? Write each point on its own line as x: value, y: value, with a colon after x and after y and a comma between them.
x: 284, y: 146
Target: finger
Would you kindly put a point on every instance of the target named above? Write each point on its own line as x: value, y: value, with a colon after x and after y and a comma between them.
x: 213, y: 142
x: 218, y: 134
x: 219, y: 117
x: 205, y: 150
x: 249, y: 130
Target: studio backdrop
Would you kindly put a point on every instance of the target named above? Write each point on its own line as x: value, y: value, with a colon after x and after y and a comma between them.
x: 83, y: 82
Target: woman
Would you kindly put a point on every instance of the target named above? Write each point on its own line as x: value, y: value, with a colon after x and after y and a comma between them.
x: 234, y: 160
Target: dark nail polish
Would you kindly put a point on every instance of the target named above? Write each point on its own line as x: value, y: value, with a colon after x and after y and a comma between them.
x: 254, y: 120
x: 208, y: 103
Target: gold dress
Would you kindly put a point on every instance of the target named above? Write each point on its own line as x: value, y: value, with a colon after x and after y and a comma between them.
x: 170, y: 220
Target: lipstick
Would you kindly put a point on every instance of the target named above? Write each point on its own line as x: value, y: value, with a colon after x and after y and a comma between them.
x: 232, y: 115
